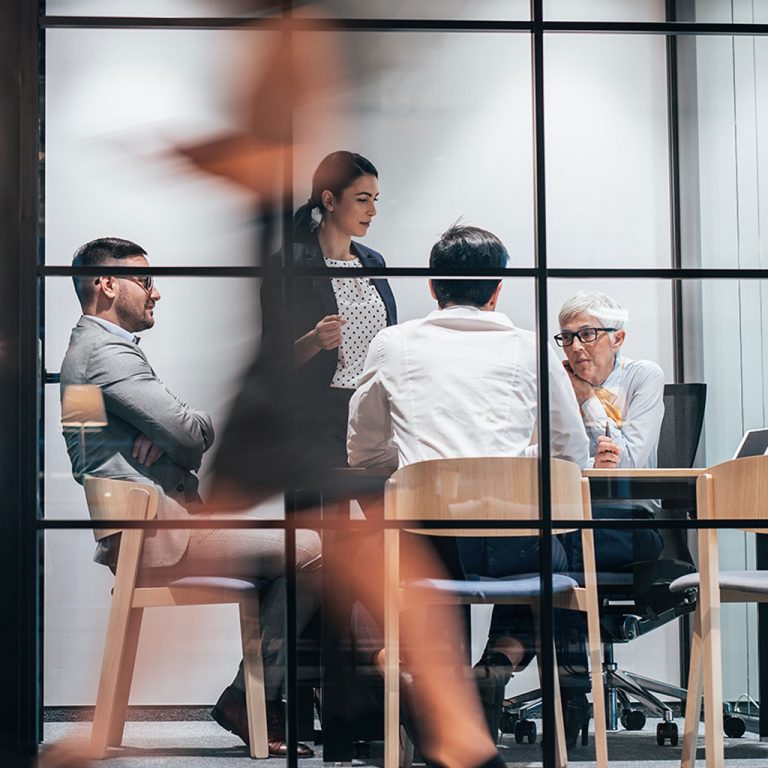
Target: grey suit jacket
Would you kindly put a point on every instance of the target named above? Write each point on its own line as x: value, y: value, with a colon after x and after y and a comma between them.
x: 136, y: 402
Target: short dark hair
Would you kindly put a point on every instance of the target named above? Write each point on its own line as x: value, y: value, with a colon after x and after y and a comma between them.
x: 465, y: 248
x: 103, y: 250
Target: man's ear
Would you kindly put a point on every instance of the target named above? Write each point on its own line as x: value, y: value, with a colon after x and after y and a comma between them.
x: 495, y: 296
x: 107, y: 287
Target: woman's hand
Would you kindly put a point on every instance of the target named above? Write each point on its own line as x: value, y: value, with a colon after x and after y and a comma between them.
x: 607, y: 453
x: 324, y: 336
x: 327, y: 333
x: 582, y: 389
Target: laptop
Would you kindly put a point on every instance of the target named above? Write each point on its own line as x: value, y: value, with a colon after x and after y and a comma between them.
x: 754, y: 443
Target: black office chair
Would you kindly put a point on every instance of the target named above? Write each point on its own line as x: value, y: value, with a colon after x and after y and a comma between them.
x: 636, y: 603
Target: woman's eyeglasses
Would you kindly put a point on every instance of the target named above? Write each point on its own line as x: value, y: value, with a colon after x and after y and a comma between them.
x: 584, y: 335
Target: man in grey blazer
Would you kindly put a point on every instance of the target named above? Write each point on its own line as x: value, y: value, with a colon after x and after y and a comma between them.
x: 153, y: 436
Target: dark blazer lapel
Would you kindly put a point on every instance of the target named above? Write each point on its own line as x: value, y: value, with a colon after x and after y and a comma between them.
x: 380, y: 284
x: 312, y: 258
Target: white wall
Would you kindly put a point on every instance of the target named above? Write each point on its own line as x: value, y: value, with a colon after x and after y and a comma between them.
x: 447, y: 120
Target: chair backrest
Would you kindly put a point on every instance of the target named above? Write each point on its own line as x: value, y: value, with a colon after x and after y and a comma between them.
x: 119, y: 500
x: 733, y: 489
x: 682, y: 423
x: 485, y: 488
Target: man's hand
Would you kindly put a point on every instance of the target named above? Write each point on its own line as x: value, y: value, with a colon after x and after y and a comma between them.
x: 607, y: 453
x: 327, y: 333
x: 582, y: 389
x: 144, y: 451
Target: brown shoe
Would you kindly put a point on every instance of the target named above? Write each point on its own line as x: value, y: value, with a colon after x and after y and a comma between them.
x: 278, y: 746
x: 231, y: 714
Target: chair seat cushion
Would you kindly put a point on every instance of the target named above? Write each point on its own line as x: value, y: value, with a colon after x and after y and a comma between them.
x: 744, y: 581
x: 480, y: 589
x: 221, y: 583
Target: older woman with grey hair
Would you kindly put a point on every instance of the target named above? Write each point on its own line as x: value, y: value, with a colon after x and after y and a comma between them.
x: 621, y: 402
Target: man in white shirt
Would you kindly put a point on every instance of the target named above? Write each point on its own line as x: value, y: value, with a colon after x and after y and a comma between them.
x: 462, y: 382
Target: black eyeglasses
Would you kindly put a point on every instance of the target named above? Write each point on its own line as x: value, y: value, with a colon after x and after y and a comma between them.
x: 146, y: 282
x: 585, y: 336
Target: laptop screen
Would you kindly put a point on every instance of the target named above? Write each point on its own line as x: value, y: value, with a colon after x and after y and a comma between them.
x: 754, y: 443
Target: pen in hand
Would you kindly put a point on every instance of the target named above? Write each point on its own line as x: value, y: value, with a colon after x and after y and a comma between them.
x: 607, y: 428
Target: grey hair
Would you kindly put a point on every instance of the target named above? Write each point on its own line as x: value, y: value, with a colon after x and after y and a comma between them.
x: 607, y: 311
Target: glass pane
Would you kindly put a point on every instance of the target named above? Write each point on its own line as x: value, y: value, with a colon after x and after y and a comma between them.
x: 724, y: 162
x: 113, y: 119
x: 454, y: 10
x: 604, y: 10
x: 606, y: 151
x: 163, y: 8
x: 186, y: 656
x: 441, y: 156
x: 715, y: 12
x: 223, y: 339
x: 495, y: 10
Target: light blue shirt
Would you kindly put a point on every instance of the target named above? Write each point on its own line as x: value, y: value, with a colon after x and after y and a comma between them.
x: 638, y: 386
x: 116, y: 329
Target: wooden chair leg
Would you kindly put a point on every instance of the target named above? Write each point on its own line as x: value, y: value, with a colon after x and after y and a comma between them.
x: 107, y: 698
x: 693, y: 702
x: 253, y: 670
x: 125, y: 678
x: 709, y: 603
x: 391, y: 652
x: 598, y: 688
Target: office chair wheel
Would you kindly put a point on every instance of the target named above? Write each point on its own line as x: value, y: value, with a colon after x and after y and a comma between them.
x: 734, y: 727
x: 632, y: 720
x: 666, y: 731
x: 525, y: 729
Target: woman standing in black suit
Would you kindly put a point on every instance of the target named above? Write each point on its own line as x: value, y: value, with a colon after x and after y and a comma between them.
x: 334, y: 319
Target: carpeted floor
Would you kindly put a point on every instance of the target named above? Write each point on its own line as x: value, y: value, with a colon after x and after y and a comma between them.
x: 201, y: 744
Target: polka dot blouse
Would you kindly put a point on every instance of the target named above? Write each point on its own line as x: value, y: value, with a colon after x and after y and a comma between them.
x: 361, y: 306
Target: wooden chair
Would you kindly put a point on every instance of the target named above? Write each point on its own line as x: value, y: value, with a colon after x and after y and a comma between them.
x: 498, y: 488
x: 732, y: 490
x: 122, y: 500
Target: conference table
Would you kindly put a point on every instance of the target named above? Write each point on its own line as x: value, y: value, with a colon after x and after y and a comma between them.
x: 676, y: 486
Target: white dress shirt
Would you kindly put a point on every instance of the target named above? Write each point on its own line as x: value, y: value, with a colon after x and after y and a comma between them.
x: 460, y: 382
x: 638, y: 386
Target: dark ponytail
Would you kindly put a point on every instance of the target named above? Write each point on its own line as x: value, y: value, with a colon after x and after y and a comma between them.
x: 335, y: 173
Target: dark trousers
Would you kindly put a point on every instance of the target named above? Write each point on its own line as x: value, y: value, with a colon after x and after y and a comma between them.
x: 509, y: 556
x: 615, y: 551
